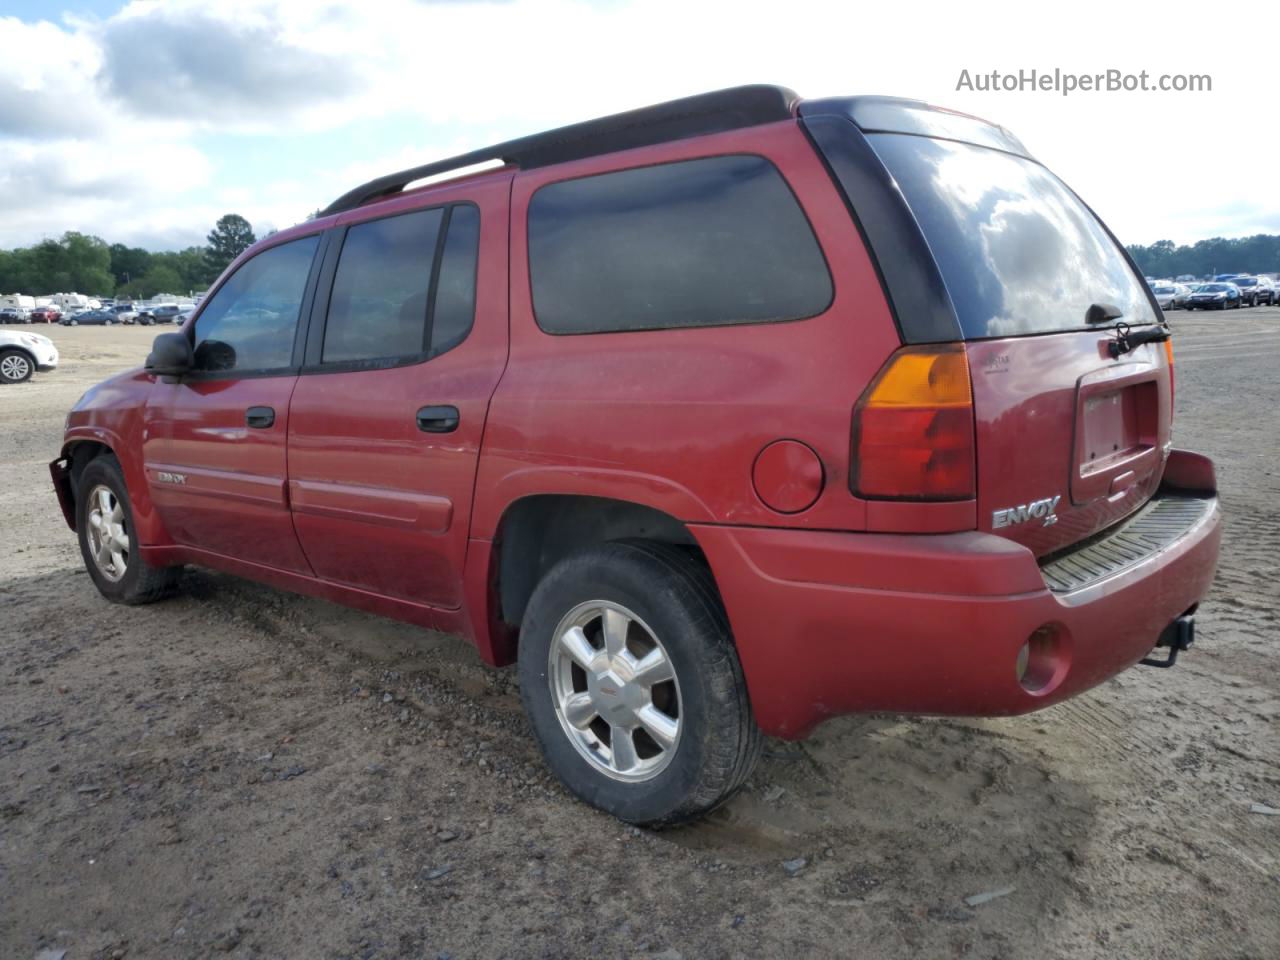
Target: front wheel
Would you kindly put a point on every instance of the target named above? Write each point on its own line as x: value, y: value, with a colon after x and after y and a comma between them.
x: 632, y: 683
x: 15, y: 366
x: 104, y: 525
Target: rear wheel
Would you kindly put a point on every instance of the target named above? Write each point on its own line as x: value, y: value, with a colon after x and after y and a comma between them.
x: 15, y: 366
x: 104, y: 524
x: 632, y: 683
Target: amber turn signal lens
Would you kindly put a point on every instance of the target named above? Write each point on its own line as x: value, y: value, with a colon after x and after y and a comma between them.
x: 913, y: 429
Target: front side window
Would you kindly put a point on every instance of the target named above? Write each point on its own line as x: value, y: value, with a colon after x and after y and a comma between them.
x: 250, y: 323
x: 717, y: 240
x: 383, y: 305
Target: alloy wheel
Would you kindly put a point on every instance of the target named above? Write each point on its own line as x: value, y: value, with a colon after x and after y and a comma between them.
x: 108, y: 533
x: 15, y: 367
x: 615, y: 691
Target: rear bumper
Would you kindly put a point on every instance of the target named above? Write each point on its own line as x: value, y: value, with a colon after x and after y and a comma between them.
x: 832, y: 623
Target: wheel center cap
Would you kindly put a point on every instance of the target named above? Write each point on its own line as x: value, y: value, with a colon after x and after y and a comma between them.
x: 610, y: 693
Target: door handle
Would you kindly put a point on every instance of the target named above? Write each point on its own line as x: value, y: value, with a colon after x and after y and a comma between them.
x: 260, y: 417
x: 438, y: 419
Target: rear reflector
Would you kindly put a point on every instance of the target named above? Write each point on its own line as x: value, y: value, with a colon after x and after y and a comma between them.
x: 1168, y: 353
x: 913, y: 428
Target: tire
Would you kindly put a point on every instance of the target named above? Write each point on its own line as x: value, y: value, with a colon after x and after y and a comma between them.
x: 16, y: 366
x: 137, y: 582
x: 675, y: 610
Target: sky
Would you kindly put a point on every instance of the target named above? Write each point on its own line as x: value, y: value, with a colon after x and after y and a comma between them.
x: 143, y: 122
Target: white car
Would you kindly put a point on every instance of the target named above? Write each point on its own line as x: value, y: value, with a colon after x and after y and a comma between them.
x: 22, y: 354
x: 1170, y: 296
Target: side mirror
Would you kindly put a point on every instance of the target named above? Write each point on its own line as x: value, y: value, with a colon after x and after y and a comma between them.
x: 171, y: 355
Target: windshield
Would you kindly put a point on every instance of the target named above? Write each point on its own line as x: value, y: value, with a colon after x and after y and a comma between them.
x: 1019, y: 253
x: 1245, y: 282
x: 1212, y: 288
x: 1164, y: 290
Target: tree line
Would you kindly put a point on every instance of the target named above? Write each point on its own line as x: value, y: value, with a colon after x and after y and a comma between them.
x: 86, y: 264
x: 81, y: 263
x: 1257, y: 254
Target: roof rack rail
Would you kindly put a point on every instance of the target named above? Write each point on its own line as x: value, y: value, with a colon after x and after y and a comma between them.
x: 693, y: 116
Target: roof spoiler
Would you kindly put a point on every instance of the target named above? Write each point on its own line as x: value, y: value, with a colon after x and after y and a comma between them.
x: 900, y: 115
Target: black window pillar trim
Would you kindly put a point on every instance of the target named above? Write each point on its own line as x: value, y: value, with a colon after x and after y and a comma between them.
x: 909, y: 276
x: 335, y: 237
x: 437, y: 258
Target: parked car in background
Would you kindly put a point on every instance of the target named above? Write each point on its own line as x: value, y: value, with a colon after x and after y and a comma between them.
x: 125, y: 312
x: 90, y: 318
x: 15, y: 315
x: 1249, y: 290
x: 47, y: 314
x: 1268, y: 291
x: 1170, y: 296
x: 22, y: 354
x: 1213, y: 296
x: 161, y: 313
x: 471, y: 406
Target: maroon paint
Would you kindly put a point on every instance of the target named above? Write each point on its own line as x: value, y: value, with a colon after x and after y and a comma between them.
x: 787, y: 476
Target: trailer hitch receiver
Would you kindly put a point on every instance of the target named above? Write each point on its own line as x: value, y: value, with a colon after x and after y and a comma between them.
x: 1177, y: 636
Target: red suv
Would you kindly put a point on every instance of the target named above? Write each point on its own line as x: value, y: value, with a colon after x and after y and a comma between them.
x: 719, y: 418
x: 48, y: 314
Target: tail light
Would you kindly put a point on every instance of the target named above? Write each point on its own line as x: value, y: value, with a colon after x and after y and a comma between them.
x: 913, y: 428
x: 1168, y: 353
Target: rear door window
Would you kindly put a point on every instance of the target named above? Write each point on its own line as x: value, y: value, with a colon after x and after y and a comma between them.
x: 404, y: 288
x: 1019, y: 253
x: 717, y: 240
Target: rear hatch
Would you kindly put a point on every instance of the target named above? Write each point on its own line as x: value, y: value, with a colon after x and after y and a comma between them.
x: 1069, y: 439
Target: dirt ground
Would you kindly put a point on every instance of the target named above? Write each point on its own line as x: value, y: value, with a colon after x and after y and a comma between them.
x: 248, y: 773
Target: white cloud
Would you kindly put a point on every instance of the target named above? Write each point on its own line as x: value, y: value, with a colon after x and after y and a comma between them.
x: 460, y: 75
x: 196, y: 64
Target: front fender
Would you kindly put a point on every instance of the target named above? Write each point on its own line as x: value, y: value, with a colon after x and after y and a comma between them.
x: 148, y: 525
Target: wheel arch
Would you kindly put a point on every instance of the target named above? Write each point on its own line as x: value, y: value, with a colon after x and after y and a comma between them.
x: 537, y: 531
x: 18, y: 348
x: 81, y: 446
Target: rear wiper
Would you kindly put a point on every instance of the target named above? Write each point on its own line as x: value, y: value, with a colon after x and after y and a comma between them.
x: 1102, y: 313
x: 1127, y: 339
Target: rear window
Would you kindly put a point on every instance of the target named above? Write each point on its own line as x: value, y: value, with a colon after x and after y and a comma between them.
x: 717, y: 240
x: 1018, y: 252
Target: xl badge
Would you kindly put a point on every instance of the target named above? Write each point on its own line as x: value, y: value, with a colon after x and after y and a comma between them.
x: 1035, y: 510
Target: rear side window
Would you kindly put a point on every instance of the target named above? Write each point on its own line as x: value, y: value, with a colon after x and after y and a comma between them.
x: 384, y: 304
x: 250, y: 323
x: 717, y: 240
x: 1019, y: 253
